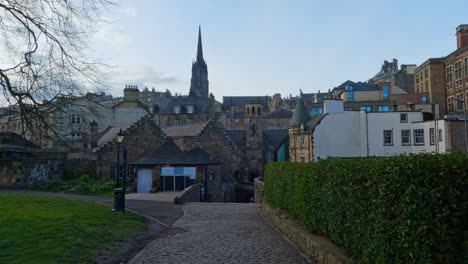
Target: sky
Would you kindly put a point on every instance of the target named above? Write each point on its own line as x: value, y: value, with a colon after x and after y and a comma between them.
x: 256, y: 47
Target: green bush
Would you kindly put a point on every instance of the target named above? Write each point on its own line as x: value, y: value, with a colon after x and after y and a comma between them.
x: 401, y: 209
x: 82, y: 185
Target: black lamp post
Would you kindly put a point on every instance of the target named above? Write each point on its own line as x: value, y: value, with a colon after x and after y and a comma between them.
x: 119, y: 138
x: 119, y: 195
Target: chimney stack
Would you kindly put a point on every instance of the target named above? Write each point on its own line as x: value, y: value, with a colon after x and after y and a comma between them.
x: 462, y: 36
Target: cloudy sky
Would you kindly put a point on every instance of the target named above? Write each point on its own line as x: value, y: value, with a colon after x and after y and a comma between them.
x: 255, y: 47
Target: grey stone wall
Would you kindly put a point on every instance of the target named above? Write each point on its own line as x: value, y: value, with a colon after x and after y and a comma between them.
x: 30, y: 168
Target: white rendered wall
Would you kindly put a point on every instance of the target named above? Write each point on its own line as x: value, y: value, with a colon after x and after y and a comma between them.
x: 339, y: 135
x: 378, y: 122
x: 333, y: 106
x: 360, y: 134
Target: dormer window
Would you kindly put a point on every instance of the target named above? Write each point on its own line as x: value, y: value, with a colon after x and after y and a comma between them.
x: 177, y: 109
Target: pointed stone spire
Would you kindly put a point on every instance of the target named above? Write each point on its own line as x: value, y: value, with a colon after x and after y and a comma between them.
x: 301, y: 115
x: 199, y: 48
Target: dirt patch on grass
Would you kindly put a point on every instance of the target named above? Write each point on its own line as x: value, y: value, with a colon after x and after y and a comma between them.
x: 124, y: 251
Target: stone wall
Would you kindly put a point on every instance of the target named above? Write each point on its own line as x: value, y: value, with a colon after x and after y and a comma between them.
x: 456, y: 135
x: 191, y: 194
x: 22, y: 169
x: 318, y: 247
x: 140, y: 139
x: 258, y: 190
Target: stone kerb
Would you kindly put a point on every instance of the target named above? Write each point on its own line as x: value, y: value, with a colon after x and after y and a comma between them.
x: 318, y: 247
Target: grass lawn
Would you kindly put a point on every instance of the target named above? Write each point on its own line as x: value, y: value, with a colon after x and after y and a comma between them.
x: 43, y: 229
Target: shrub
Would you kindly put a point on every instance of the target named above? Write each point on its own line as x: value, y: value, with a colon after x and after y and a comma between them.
x: 402, y: 209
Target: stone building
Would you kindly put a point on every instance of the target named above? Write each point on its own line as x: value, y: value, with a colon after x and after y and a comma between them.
x: 429, y: 85
x: 389, y: 73
x: 300, y: 133
x: 456, y: 74
x: 154, y: 98
x: 278, y: 118
x: 199, y: 82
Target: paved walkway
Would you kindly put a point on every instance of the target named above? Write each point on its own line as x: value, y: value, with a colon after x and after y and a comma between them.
x: 220, y: 233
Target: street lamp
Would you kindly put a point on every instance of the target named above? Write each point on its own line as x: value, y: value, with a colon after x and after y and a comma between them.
x: 464, y: 112
x: 119, y: 194
x: 118, y: 138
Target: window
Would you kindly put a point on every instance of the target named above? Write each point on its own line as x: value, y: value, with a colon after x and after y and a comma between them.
x: 384, y: 108
x: 302, y: 159
x: 177, y: 109
x: 236, y: 121
x: 365, y: 108
x: 165, y: 122
x: 227, y: 121
x: 449, y: 74
x: 426, y: 73
x: 75, y: 119
x: 350, y: 96
x: 440, y: 135
x: 385, y: 91
x: 269, y: 156
x: 466, y: 67
x: 418, y: 136
x: 424, y: 100
x: 176, y: 122
x: 403, y: 118
x: 460, y: 102
x: 431, y: 136
x: 291, y: 141
x: 190, y: 109
x: 388, y: 137
x: 458, y: 70
x: 76, y: 134
x: 406, y: 137
x: 317, y: 110
x: 189, y: 121
x: 450, y: 105
x: 302, y: 140
x: 273, y: 123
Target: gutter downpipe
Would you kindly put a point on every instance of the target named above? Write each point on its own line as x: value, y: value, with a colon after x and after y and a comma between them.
x: 367, y: 136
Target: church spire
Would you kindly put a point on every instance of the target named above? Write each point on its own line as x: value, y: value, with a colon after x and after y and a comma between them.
x: 199, y: 48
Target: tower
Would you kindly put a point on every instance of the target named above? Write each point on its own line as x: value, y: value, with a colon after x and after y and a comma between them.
x: 199, y: 81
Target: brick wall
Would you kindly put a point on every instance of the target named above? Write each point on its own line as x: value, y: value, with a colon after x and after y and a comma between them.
x: 456, y: 135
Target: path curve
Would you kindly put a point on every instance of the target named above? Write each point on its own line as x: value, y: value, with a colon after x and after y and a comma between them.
x: 221, y: 233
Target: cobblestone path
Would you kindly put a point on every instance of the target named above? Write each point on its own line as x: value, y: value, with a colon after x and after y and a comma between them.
x: 220, y: 233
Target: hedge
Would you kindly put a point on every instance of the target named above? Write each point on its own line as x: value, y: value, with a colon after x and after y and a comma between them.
x: 401, y: 209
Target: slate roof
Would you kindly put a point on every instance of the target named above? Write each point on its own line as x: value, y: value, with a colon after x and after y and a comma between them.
x: 235, y: 114
x: 279, y: 113
x: 188, y: 130
x: 276, y: 136
x: 109, y: 135
x: 314, y: 121
x: 359, y: 86
x: 301, y: 115
x: 236, y: 135
x: 170, y: 154
x: 201, y: 104
x: 242, y: 100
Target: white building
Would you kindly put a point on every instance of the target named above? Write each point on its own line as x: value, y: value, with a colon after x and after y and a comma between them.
x: 366, y: 134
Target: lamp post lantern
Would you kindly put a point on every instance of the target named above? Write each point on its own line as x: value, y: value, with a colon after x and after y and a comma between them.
x: 464, y: 118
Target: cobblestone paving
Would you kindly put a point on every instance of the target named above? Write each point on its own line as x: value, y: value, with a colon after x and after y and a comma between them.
x: 220, y: 233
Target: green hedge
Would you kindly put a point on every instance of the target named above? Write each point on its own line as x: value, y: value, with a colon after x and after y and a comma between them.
x: 401, y: 209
